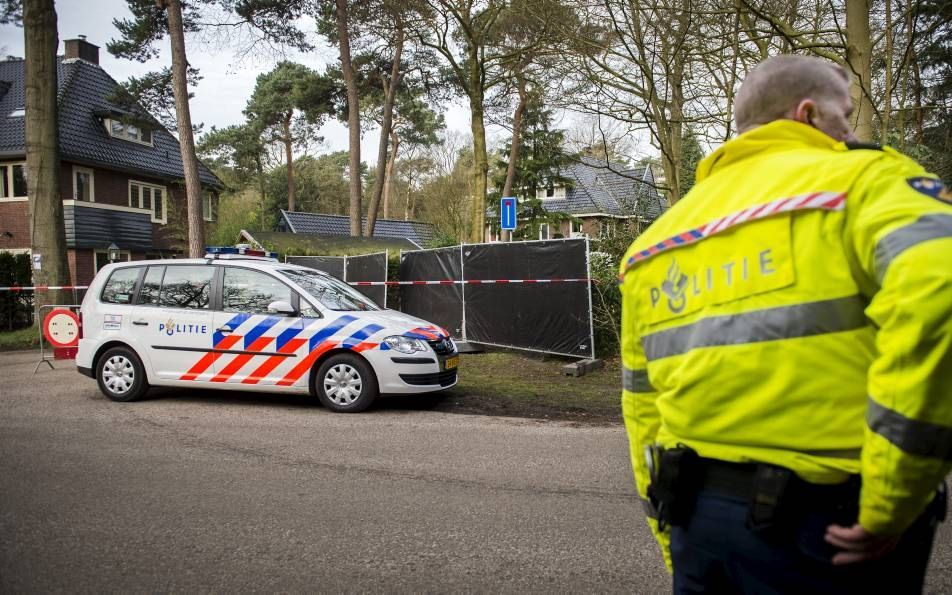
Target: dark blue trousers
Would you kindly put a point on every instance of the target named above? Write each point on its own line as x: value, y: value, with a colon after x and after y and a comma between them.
x: 716, y: 553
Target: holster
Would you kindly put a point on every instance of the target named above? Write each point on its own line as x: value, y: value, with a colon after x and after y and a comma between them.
x: 674, y: 485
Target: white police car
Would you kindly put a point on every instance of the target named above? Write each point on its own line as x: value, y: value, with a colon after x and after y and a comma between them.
x: 241, y: 320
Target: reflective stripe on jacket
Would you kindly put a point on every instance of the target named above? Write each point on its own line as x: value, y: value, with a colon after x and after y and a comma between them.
x: 795, y: 308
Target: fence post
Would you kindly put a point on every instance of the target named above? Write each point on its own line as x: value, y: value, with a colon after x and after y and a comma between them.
x: 588, y: 275
x: 462, y: 275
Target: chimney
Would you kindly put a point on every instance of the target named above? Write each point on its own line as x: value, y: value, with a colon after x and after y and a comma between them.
x: 82, y: 49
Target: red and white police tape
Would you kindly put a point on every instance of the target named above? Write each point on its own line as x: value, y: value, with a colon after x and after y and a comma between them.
x: 356, y: 283
x: 467, y: 282
x: 42, y: 287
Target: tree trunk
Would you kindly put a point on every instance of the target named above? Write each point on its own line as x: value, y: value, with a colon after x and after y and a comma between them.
x: 47, y: 234
x: 477, y: 222
x: 385, y: 127
x: 289, y: 155
x: 514, y: 147
x: 887, y: 77
x: 260, y: 186
x: 193, y: 185
x: 858, y: 59
x: 919, y: 112
x: 353, y: 117
x: 391, y: 167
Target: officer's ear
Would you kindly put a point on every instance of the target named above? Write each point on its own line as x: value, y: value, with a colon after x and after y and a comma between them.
x: 805, y: 112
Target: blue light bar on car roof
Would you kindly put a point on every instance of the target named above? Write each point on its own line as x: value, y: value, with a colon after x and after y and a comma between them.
x: 217, y: 251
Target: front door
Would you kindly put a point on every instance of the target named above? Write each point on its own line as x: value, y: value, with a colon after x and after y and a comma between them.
x: 256, y: 347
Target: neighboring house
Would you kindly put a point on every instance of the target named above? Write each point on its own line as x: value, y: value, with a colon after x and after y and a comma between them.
x: 599, y: 197
x: 121, y: 174
x: 419, y: 234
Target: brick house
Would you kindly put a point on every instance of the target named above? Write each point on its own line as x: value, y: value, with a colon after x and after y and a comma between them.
x: 599, y: 197
x: 121, y: 174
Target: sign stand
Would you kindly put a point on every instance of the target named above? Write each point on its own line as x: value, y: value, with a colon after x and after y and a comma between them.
x: 60, y: 328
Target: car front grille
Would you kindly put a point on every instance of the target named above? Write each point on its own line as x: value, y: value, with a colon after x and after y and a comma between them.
x: 442, y: 346
x: 442, y: 378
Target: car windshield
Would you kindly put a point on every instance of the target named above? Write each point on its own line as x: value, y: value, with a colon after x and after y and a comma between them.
x: 331, y: 293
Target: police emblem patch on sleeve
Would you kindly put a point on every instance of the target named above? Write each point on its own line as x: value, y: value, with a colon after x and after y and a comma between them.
x: 931, y: 187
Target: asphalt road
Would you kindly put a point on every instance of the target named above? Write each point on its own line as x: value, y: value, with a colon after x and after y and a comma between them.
x: 223, y: 491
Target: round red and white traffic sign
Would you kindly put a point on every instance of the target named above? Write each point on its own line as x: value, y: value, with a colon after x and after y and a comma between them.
x: 61, y: 328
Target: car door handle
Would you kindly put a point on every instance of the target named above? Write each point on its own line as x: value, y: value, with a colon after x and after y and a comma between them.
x: 225, y: 329
x: 140, y: 323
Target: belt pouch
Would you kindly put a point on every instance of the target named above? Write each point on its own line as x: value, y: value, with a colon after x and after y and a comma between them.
x: 770, y: 484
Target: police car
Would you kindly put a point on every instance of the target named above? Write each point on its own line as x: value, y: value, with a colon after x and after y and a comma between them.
x: 240, y: 320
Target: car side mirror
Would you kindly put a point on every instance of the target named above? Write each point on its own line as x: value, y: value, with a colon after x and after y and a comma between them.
x: 280, y: 307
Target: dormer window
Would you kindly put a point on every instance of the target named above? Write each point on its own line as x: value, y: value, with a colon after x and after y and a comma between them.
x: 128, y: 131
x: 551, y: 192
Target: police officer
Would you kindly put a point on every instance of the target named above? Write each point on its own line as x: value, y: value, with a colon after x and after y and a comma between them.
x: 787, y: 353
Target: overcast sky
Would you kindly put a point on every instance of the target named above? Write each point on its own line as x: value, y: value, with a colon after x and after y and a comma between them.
x: 227, y: 82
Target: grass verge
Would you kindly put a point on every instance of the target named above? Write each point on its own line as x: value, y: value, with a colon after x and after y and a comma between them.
x: 25, y: 338
x: 522, y: 385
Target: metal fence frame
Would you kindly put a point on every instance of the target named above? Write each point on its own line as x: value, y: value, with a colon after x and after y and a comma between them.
x: 386, y: 256
x: 588, y: 275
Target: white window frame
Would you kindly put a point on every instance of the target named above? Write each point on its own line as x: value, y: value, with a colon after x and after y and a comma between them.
x: 18, y: 113
x: 207, y: 194
x: 92, y: 182
x: 165, y: 200
x: 124, y: 256
x: 136, y: 139
x: 558, y: 193
x: 548, y: 231
x: 9, y: 165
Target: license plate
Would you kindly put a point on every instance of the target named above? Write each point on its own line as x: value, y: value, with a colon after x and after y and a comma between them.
x: 450, y: 363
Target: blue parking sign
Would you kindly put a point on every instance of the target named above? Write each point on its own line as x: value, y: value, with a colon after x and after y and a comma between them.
x: 507, y: 213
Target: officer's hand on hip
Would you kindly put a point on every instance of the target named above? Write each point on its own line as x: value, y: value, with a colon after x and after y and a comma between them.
x: 858, y: 544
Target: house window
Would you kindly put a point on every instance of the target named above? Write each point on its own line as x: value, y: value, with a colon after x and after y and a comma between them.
x: 575, y: 228
x: 128, y: 131
x: 102, y: 258
x: 550, y: 192
x: 208, y: 206
x: 544, y: 231
x: 143, y: 195
x: 83, y: 184
x: 13, y: 181
x: 18, y: 113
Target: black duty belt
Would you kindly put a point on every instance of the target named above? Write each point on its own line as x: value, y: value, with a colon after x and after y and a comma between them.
x: 739, y: 480
x: 775, y: 493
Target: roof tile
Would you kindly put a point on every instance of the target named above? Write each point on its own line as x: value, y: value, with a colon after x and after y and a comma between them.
x: 339, y: 225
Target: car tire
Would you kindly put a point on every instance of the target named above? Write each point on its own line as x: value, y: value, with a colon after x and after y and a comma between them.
x: 345, y: 383
x: 120, y: 375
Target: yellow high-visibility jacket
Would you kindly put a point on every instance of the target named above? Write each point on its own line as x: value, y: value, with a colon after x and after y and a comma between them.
x: 795, y: 308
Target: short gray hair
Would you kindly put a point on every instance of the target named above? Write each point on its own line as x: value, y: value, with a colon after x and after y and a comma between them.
x: 775, y: 87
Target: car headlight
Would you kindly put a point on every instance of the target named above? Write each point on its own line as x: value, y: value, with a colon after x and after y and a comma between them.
x: 405, y: 344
